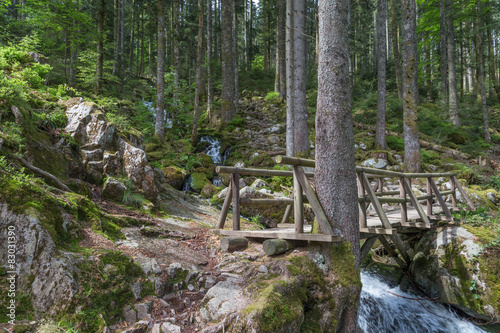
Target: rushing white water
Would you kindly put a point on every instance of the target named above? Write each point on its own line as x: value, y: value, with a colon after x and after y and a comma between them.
x: 383, y: 312
x: 152, y: 110
x: 213, y: 149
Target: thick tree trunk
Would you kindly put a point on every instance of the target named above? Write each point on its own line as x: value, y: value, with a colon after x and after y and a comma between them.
x: 452, y: 72
x: 160, y: 79
x: 380, y: 142
x: 443, y: 51
x: 141, y: 67
x: 410, y: 89
x: 228, y: 89
x: 335, y: 162
x: 100, y: 45
x: 290, y: 151
x: 210, y: 88
x: 395, y: 47
x: 481, y: 96
x: 122, y: 41
x: 301, y: 135
x: 72, y: 64
x: 199, y: 59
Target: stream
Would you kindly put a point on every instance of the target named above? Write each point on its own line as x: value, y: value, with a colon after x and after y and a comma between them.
x: 383, y: 312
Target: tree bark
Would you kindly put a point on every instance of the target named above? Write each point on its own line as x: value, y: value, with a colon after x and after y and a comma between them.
x: 199, y: 59
x: 228, y: 70
x: 301, y: 135
x: 116, y: 32
x: 481, y: 96
x: 210, y: 88
x: 335, y: 175
x: 122, y: 42
x: 235, y: 60
x: 395, y: 47
x: 176, y: 52
x: 380, y: 142
x: 132, y: 35
x: 160, y: 79
x: 452, y: 72
x: 410, y: 90
x: 290, y: 151
x: 443, y: 51
x: 280, y: 85
x: 100, y: 45
x: 491, y: 59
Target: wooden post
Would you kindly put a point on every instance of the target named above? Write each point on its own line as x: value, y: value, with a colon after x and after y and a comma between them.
x: 288, y: 212
x: 230, y: 244
x: 362, y: 204
x: 235, y: 185
x: 404, y: 208
x: 380, y: 182
x: 298, y: 204
x: 324, y: 225
x: 367, y: 246
x: 462, y: 192
x: 277, y: 246
x: 429, y: 192
x: 225, y: 206
x: 392, y: 252
x: 415, y: 202
x: 440, y: 199
x: 453, y: 193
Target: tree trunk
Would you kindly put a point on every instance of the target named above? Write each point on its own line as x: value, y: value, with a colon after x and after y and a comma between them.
x: 100, y: 49
x: 132, y: 33
x: 443, y: 50
x: 160, y: 79
x: 395, y: 47
x: 301, y: 135
x: 290, y: 151
x: 176, y: 52
x: 235, y: 60
x: 335, y: 162
x: 452, y: 72
x: 116, y: 32
x: 228, y: 88
x: 141, y: 67
x: 199, y: 59
x: 410, y: 89
x: 491, y: 58
x: 122, y: 39
x: 72, y: 64
x: 380, y: 142
x: 210, y: 88
x: 481, y: 96
x: 280, y: 85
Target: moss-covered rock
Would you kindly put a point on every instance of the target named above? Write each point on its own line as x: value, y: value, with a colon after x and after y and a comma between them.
x: 209, y: 190
x: 174, y: 176
x: 197, y: 181
x: 449, y: 264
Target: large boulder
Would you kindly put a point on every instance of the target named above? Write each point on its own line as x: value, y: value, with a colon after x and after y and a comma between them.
x: 137, y: 168
x: 451, y: 265
x: 113, y: 189
x: 175, y: 176
x: 41, y: 271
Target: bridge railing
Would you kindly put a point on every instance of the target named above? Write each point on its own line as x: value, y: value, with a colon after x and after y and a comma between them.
x: 303, y: 192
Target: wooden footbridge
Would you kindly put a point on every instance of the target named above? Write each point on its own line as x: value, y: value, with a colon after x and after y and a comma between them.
x: 410, y: 217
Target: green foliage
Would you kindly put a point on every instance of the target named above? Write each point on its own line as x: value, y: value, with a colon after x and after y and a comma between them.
x: 395, y: 142
x: 12, y: 133
x: 237, y: 121
x: 130, y: 198
x: 258, y: 63
x: 273, y: 97
x: 50, y: 121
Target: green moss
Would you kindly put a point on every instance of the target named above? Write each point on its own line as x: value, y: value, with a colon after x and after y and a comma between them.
x: 484, y: 234
x: 344, y: 265
x: 198, y: 180
x: 104, y: 295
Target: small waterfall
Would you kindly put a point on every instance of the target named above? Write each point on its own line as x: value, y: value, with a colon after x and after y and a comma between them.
x: 213, y: 150
x: 152, y: 110
x: 381, y: 311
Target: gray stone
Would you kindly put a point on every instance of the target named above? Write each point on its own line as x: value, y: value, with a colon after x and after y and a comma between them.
x: 258, y: 183
x: 142, y: 311
x: 112, y: 164
x: 136, y: 288
x: 149, y: 265
x: 113, y: 189
x: 263, y: 269
x: 222, y: 194
x: 239, y: 164
x: 174, y: 269
x: 130, y: 316
x: 377, y: 163
x: 91, y: 155
x: 170, y: 328
x: 95, y: 172
x: 247, y: 192
x: 225, y: 297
